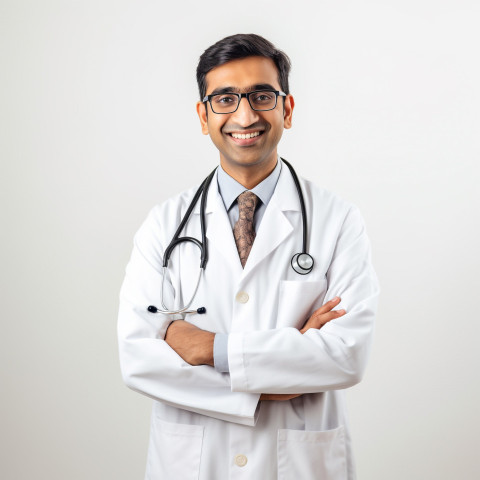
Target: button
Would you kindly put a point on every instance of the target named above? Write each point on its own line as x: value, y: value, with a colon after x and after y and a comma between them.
x: 242, y: 297
x: 240, y: 460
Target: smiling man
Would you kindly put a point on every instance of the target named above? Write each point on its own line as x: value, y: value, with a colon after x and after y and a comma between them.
x: 251, y: 384
x: 247, y: 132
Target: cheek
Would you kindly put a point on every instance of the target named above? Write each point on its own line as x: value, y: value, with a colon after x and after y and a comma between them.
x: 216, y: 135
x: 215, y: 126
x: 277, y: 129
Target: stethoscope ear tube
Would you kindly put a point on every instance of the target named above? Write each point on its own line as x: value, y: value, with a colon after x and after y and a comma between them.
x: 154, y: 309
x: 203, y: 189
x: 185, y: 309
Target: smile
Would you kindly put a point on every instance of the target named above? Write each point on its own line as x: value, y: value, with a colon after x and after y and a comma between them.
x: 246, y: 139
x: 245, y: 135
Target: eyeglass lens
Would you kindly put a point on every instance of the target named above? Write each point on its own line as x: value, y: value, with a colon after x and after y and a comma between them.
x: 228, y: 102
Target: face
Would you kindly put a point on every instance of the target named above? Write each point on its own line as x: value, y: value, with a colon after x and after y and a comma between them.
x: 241, y: 76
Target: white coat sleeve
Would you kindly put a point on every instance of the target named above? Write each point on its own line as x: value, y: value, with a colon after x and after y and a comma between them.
x: 147, y: 362
x: 333, y: 357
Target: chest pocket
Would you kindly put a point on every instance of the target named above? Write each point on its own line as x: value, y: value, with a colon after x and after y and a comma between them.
x: 298, y: 300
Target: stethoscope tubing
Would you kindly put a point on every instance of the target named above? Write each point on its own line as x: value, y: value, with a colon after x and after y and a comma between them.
x: 302, y: 205
x: 202, y: 191
x: 204, y: 187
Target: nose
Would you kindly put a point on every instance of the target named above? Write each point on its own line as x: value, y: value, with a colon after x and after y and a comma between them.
x: 245, y: 115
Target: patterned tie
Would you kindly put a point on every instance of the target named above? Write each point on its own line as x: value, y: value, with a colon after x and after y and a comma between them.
x: 243, y: 230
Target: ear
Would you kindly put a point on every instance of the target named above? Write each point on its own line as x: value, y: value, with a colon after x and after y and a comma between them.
x: 288, y: 111
x: 202, y: 115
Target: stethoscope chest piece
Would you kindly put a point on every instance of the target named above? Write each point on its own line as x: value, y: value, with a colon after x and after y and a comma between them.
x: 302, y: 263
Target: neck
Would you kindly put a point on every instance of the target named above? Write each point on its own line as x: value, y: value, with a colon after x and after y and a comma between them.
x: 252, y: 174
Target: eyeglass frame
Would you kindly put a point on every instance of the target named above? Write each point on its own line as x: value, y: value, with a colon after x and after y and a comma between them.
x: 278, y: 93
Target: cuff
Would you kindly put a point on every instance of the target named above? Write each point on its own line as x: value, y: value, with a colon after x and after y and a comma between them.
x: 238, y: 374
x: 220, y: 352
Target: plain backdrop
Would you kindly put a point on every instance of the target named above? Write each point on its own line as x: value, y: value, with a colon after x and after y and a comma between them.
x: 98, y: 124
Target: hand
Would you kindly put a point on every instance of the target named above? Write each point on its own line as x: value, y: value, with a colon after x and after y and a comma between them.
x: 279, y: 397
x: 193, y: 344
x: 323, y: 315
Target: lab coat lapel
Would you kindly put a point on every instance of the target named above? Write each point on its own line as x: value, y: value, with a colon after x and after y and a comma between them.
x: 275, y: 226
x: 219, y: 230
x: 220, y: 235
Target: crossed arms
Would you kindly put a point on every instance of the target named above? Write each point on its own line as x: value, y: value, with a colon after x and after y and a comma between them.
x: 195, y: 345
x: 175, y: 366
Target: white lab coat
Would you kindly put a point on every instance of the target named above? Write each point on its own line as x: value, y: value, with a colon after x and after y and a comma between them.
x: 208, y: 425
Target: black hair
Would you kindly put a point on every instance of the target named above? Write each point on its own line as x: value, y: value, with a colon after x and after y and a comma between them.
x: 238, y: 46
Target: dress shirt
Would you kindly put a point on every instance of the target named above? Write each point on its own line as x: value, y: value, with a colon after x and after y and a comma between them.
x: 229, y: 190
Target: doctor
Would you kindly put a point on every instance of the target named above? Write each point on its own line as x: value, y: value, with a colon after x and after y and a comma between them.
x: 255, y: 387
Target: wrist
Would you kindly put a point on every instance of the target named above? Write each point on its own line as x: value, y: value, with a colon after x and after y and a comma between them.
x: 205, y: 348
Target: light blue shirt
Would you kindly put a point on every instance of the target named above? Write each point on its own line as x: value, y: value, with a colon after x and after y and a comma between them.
x: 229, y: 190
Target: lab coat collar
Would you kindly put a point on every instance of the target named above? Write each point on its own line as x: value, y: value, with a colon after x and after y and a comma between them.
x: 285, y: 194
x: 230, y: 189
x: 274, y: 228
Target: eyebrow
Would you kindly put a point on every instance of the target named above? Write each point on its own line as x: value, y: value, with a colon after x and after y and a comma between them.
x: 251, y: 88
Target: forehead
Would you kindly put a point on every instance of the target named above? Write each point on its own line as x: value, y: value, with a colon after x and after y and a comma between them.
x: 243, y: 73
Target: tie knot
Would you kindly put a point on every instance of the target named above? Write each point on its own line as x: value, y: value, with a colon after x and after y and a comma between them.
x: 247, y: 201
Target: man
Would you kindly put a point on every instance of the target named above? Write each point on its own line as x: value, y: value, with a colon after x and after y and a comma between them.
x: 254, y: 387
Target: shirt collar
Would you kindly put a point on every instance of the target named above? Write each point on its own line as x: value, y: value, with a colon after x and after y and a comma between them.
x: 230, y: 189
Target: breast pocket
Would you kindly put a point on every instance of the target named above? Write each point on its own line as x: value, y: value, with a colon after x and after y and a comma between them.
x: 174, y: 451
x: 298, y: 300
x: 312, y: 455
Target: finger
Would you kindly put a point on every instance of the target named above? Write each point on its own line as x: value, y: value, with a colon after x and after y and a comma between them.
x: 326, y: 317
x: 320, y: 320
x: 279, y: 397
x: 323, y: 317
x: 290, y: 396
x: 331, y: 304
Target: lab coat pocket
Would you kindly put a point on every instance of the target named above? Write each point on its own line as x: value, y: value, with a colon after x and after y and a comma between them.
x: 312, y: 455
x: 174, y: 451
x: 298, y: 300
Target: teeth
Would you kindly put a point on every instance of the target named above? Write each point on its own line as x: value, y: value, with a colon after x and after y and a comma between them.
x: 245, y: 135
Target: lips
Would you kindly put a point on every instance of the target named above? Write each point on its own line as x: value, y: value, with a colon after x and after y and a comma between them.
x: 245, y: 138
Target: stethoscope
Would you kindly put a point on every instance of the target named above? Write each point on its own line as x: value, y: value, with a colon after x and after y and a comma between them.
x: 301, y: 262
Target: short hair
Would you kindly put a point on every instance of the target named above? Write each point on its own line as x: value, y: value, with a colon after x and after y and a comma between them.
x: 238, y: 46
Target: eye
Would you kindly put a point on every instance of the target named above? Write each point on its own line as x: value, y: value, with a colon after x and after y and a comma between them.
x: 225, y: 99
x: 263, y: 97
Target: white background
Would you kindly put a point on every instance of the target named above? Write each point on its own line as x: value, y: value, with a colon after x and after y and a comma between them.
x: 97, y: 124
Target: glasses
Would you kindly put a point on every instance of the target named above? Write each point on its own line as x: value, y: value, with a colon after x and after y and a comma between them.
x: 259, y: 100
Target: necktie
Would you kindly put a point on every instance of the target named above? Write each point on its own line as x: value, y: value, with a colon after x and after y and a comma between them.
x: 243, y: 230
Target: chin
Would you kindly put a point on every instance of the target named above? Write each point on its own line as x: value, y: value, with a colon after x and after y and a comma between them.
x: 249, y: 158
x: 247, y: 162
